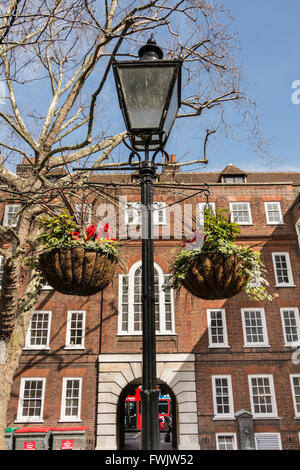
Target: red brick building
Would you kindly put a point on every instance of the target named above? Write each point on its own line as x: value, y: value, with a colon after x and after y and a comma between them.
x: 230, y: 366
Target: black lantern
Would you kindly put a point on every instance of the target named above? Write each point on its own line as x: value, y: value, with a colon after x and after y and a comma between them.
x: 149, y: 96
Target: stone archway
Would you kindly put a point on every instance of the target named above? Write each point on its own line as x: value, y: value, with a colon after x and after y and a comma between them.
x: 117, y: 371
x: 124, y: 443
x: 129, y: 389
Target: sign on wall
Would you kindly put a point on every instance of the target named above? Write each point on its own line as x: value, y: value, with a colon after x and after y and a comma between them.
x: 29, y: 445
x: 67, y: 444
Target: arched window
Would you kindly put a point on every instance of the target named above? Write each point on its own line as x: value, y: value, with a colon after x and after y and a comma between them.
x: 130, y: 302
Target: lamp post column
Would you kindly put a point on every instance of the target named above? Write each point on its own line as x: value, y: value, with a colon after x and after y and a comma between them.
x: 150, y: 434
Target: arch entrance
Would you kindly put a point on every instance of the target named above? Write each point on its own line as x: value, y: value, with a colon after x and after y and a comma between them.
x: 129, y: 417
x: 175, y: 375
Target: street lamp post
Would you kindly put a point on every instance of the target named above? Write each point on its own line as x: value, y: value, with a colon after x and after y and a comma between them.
x: 149, y: 97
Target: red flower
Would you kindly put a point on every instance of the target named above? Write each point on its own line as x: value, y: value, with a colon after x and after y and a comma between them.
x: 75, y: 235
x: 90, y: 231
x: 106, y: 227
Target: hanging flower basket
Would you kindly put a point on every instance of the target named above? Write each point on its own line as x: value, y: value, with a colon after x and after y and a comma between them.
x: 214, y: 276
x: 76, y: 262
x: 211, y: 266
x: 77, y: 270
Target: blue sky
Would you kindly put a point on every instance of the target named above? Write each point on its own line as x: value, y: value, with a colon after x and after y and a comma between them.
x: 269, y: 32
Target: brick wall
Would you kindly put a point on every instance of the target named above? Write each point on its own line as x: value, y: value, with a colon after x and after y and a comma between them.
x: 190, y: 324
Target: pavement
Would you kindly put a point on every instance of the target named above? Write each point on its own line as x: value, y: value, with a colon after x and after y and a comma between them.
x: 132, y: 441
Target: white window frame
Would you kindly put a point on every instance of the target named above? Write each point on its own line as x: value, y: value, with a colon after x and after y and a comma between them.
x: 1, y: 269
x: 249, y: 212
x: 28, y: 334
x: 63, y: 417
x: 30, y: 419
x: 6, y: 214
x: 230, y: 414
x: 226, y: 434
x: 272, y: 222
x: 158, y: 208
x: 289, y: 269
x: 266, y: 434
x: 292, y: 344
x: 162, y: 317
x: 236, y: 179
x: 201, y: 208
x: 297, y: 413
x: 134, y: 208
x: 68, y: 330
x: 224, y: 328
x: 265, y: 342
x: 273, y: 414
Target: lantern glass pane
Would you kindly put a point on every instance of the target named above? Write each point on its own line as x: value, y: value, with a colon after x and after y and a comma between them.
x: 173, y: 107
x: 145, y: 90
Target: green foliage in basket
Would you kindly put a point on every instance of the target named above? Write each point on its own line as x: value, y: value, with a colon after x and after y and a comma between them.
x: 219, y: 235
x: 62, y: 231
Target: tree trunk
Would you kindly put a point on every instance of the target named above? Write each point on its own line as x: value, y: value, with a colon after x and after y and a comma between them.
x: 13, y: 350
x: 7, y: 372
x: 16, y: 311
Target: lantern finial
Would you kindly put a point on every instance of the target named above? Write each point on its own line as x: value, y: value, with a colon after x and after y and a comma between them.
x: 150, y: 51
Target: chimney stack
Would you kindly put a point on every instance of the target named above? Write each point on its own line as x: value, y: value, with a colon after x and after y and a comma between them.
x: 168, y: 172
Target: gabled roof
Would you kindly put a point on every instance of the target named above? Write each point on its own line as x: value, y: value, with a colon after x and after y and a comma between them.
x: 233, y: 170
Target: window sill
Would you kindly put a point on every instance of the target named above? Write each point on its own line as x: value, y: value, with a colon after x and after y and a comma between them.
x: 139, y: 226
x: 259, y: 345
x: 245, y: 225
x: 72, y: 348
x: 266, y: 417
x: 28, y: 348
x: 219, y: 346
x: 278, y: 223
x: 224, y: 418
x: 62, y: 420
x: 139, y: 335
x: 26, y: 421
x: 285, y: 285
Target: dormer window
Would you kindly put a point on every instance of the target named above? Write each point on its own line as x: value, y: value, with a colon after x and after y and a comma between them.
x: 233, y: 179
x: 232, y: 175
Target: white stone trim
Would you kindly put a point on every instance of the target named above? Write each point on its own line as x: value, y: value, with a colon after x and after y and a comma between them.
x: 181, y: 357
x: 177, y: 371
